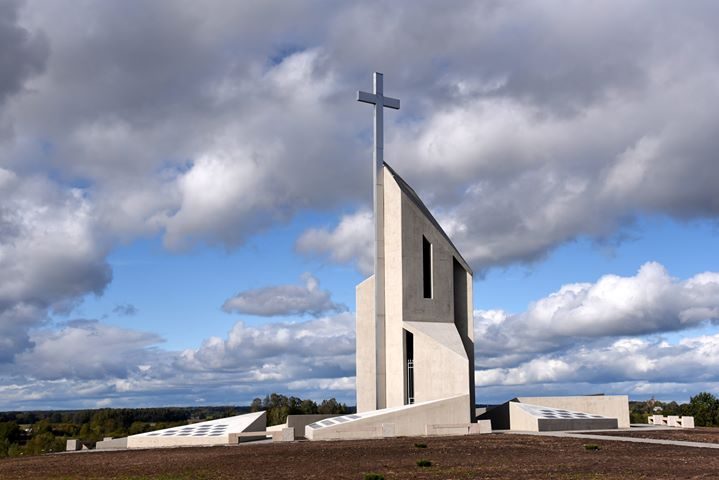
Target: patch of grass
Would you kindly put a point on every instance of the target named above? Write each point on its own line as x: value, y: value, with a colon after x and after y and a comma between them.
x: 420, y: 445
x: 373, y: 476
x: 591, y: 447
x: 424, y: 463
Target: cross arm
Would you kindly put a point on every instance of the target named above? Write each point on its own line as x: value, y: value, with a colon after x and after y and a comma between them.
x: 375, y: 99
x: 390, y: 102
x: 367, y: 97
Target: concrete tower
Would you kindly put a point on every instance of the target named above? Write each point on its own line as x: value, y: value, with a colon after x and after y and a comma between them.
x: 415, y: 343
x: 426, y: 349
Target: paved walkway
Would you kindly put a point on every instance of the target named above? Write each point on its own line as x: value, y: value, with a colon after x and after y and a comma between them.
x: 589, y: 436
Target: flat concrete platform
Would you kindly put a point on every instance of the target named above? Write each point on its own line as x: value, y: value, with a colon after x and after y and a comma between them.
x: 593, y: 436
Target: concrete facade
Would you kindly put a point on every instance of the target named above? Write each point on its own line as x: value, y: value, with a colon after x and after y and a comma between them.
x: 422, y: 348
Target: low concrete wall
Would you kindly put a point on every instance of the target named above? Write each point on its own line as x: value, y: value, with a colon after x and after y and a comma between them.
x: 73, y: 445
x: 671, y: 421
x: 285, y: 434
x: 483, y: 426
x: 299, y: 422
x: 111, y: 444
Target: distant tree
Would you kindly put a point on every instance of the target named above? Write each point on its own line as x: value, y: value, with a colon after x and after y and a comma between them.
x: 14, y: 450
x: 332, y: 406
x: 308, y: 407
x: 256, y: 405
x: 638, y: 411
x: 705, y: 408
x: 9, y: 431
x: 278, y: 407
x: 9, y: 437
x: 671, y: 408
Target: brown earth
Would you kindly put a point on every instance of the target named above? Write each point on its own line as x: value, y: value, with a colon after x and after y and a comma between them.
x: 700, y: 434
x: 496, y: 456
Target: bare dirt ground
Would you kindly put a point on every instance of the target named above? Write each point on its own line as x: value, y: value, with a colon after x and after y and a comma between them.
x: 700, y: 434
x: 494, y: 456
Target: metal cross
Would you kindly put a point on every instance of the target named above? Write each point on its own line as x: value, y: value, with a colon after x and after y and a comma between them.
x: 379, y: 101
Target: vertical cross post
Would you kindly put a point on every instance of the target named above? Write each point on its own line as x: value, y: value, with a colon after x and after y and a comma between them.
x: 379, y: 101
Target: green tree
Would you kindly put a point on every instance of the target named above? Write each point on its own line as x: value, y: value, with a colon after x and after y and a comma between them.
x: 308, y: 407
x: 9, y: 431
x: 705, y: 408
x: 9, y: 438
x: 332, y: 406
x: 256, y: 405
x: 671, y: 408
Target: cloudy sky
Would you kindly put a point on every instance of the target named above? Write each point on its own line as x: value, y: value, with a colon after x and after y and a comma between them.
x: 184, y: 192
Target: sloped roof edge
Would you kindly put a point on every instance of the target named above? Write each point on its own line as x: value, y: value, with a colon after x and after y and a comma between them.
x: 409, y: 191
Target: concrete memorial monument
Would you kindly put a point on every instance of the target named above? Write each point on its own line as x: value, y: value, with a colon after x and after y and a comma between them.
x: 415, y: 346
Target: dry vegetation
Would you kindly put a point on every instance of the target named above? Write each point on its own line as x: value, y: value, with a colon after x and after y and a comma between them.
x: 487, y: 456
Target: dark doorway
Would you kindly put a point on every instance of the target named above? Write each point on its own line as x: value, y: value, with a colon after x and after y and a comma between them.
x: 409, y: 362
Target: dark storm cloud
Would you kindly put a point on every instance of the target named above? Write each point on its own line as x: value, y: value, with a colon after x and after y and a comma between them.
x: 22, y: 53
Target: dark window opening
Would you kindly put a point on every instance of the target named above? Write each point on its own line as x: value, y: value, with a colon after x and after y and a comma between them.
x: 409, y: 349
x: 427, y: 267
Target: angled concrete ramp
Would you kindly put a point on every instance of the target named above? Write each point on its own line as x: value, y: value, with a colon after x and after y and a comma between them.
x: 406, y: 420
x: 537, y: 418
x: 551, y: 414
x: 223, y: 431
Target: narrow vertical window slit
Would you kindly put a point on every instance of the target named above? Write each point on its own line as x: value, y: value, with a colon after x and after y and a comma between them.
x: 427, y: 267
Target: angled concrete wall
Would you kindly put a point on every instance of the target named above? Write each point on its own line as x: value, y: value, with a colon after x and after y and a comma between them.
x: 560, y: 413
x: 612, y: 406
x: 214, y: 432
x: 440, y: 361
x: 538, y: 418
x: 406, y: 420
x: 521, y: 420
x: 366, y: 378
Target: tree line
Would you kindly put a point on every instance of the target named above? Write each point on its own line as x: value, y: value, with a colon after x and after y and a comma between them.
x: 37, y: 432
x: 704, y: 407
x: 278, y: 407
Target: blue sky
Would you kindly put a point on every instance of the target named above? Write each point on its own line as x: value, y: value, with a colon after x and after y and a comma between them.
x: 185, y: 193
